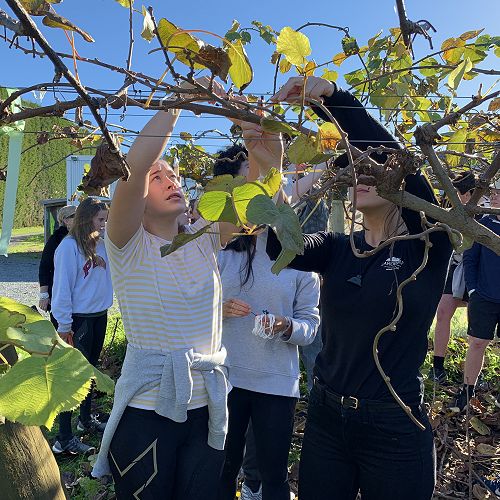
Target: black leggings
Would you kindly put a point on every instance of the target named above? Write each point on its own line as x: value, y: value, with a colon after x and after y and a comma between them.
x: 155, y: 458
x: 272, y: 422
x: 88, y: 337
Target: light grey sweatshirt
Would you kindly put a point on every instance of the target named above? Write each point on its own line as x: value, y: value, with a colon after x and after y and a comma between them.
x: 269, y: 366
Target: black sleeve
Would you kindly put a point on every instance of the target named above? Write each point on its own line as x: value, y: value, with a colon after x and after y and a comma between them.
x: 46, y: 268
x: 318, y: 251
x: 363, y: 129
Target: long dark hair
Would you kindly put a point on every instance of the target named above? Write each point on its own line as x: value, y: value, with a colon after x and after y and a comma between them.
x: 246, y: 244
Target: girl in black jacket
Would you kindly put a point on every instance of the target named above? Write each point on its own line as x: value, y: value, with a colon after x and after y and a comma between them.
x: 65, y: 217
x: 357, y: 438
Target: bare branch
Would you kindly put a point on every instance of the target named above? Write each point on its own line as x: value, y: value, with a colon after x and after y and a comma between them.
x: 61, y: 68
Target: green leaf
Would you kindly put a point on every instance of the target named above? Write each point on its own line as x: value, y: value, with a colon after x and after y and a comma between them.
x: 36, y: 338
x: 272, y: 181
x: 456, y: 76
x: 293, y: 45
x: 9, y: 319
x: 271, y: 125
x: 217, y: 206
x: 430, y: 61
x: 14, y: 306
x: 36, y: 389
x: 283, y: 219
x: 225, y: 182
x: 181, y: 239
x: 148, y: 27
x: 241, y: 71
x: 350, y: 46
x: 284, y: 258
x: 330, y: 75
x: 302, y: 149
x: 479, y: 426
x: 243, y: 195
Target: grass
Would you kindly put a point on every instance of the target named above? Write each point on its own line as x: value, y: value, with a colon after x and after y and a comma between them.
x: 27, y: 230
x: 31, y: 246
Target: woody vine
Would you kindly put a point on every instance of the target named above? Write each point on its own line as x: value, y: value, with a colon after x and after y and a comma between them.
x: 405, y: 89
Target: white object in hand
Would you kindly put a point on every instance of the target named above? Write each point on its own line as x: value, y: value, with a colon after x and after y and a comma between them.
x: 262, y: 327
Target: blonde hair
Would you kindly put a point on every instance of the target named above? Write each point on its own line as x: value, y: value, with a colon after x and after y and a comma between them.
x: 83, y: 227
x: 64, y: 213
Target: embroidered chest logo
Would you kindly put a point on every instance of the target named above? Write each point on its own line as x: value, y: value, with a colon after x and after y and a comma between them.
x: 393, y: 264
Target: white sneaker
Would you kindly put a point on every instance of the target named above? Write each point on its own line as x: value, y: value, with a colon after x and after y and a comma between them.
x: 248, y: 494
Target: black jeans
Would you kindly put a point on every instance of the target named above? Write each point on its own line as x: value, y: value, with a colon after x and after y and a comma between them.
x: 88, y: 337
x: 272, y: 422
x: 378, y: 451
x: 155, y: 458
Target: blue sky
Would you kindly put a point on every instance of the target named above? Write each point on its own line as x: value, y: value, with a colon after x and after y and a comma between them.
x: 107, y: 22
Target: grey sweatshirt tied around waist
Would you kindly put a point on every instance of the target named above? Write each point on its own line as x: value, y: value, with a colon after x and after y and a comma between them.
x: 142, y: 368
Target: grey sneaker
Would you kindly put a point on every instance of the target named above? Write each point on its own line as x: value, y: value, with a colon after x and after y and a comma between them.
x: 74, y: 447
x: 248, y: 494
x: 93, y: 425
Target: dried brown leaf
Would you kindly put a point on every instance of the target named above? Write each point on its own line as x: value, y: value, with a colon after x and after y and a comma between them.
x: 215, y: 59
x: 105, y: 168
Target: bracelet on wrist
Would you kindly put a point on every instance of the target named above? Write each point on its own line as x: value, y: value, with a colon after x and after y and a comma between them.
x: 43, y: 295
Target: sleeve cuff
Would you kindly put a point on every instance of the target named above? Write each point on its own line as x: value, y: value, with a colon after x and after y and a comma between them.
x: 62, y: 328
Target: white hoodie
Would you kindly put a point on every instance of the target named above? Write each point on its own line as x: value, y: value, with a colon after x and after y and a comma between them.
x: 80, y: 287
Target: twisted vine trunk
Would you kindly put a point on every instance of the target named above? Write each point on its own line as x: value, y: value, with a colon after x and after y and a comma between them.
x: 28, y: 469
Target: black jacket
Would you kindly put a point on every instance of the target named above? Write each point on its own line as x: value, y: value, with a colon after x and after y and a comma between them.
x: 46, y: 269
x: 358, y: 296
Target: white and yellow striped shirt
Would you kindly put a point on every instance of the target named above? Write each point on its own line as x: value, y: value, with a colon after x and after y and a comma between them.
x: 169, y: 303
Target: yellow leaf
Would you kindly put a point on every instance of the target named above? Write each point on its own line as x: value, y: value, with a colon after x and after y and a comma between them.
x: 241, y: 72
x: 453, y: 50
x: 339, y: 58
x: 285, y: 66
x: 125, y: 3
x: 293, y: 45
x: 309, y: 69
x: 470, y: 34
x: 494, y: 104
x: 330, y: 75
x: 456, y: 76
x: 329, y: 137
x: 174, y: 41
x: 54, y: 20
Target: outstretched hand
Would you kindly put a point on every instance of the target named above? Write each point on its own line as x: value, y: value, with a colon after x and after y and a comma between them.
x: 265, y: 148
x: 315, y: 88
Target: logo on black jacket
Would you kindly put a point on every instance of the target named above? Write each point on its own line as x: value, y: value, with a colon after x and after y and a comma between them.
x: 392, y: 264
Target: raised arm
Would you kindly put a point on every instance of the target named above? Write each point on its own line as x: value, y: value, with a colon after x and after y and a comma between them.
x: 129, y: 200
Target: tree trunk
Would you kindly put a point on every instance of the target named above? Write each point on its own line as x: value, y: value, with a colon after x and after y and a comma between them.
x: 28, y: 469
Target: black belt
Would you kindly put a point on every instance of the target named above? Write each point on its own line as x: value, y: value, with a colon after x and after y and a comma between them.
x: 330, y: 398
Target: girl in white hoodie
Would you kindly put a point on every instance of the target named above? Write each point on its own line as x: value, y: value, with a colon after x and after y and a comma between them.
x: 81, y: 296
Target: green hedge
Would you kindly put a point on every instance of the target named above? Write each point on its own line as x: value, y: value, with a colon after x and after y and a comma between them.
x: 51, y: 183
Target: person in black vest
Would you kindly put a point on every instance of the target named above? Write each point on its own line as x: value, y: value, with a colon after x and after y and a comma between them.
x: 65, y: 217
x: 357, y: 438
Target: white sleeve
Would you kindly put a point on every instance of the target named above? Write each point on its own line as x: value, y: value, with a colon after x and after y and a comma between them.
x: 306, y: 183
x: 65, y: 274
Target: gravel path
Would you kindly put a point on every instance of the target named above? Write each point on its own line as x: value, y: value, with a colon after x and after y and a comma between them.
x: 19, y: 277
